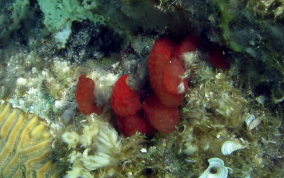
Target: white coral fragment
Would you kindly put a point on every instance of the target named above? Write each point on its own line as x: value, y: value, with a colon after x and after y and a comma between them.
x: 191, y: 59
x: 71, y: 138
x: 181, y: 88
x: 190, y: 149
x: 216, y: 169
x: 73, y: 156
x: 96, y: 161
x: 101, y: 142
x: 107, y: 140
x: 78, y: 172
x: 89, y: 132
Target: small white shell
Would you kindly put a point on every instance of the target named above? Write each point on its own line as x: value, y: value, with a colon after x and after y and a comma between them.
x: 249, y: 119
x: 216, y: 169
x: 252, y: 122
x: 229, y: 147
x: 143, y: 150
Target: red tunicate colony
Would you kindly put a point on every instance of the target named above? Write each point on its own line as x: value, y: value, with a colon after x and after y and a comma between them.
x: 159, y: 110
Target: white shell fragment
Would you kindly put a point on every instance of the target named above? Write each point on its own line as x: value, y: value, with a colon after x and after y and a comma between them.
x: 229, y: 147
x: 216, y: 169
x: 249, y: 119
x: 252, y: 122
x: 143, y: 150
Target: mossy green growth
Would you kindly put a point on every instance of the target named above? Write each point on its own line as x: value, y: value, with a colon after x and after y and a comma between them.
x: 227, y: 16
x: 12, y: 14
x: 19, y: 9
x: 59, y: 14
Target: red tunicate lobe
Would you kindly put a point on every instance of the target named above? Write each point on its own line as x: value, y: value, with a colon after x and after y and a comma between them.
x: 124, y: 100
x: 189, y: 44
x: 127, y: 107
x: 160, y: 57
x: 85, y: 96
x: 161, y: 117
x: 173, y: 77
x: 219, y: 59
x: 129, y: 125
x: 168, y: 82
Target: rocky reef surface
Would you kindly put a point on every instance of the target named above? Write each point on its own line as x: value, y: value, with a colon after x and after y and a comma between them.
x: 231, y: 118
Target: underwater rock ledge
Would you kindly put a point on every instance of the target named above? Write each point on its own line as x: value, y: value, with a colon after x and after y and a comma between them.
x: 232, y: 110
